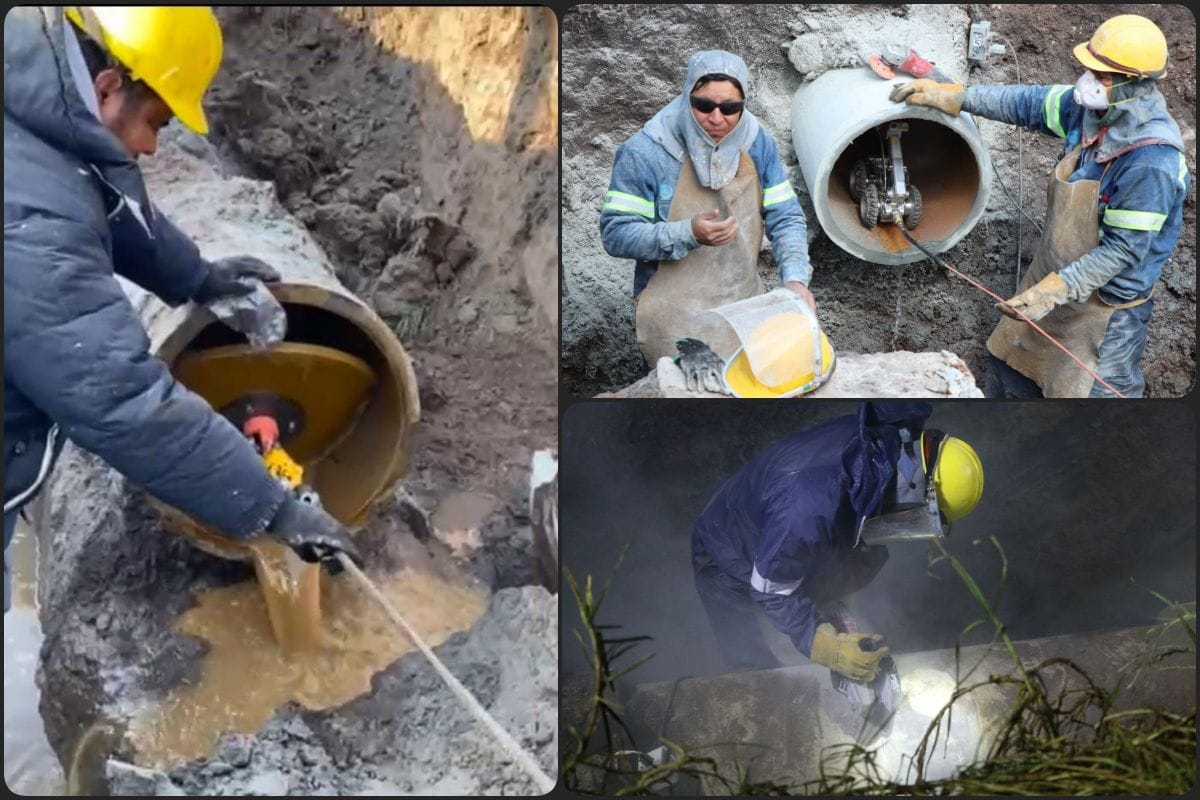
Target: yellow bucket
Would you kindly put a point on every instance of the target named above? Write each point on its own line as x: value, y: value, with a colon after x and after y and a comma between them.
x: 741, y: 381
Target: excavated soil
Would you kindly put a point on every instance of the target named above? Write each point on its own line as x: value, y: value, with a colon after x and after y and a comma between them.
x: 622, y: 63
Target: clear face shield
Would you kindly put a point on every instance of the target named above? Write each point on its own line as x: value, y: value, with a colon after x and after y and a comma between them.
x: 910, y: 507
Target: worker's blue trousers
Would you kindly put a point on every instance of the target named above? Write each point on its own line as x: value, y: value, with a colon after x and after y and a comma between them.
x: 1120, y: 358
x: 734, y: 618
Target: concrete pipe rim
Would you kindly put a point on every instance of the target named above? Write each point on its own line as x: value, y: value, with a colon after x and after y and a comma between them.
x: 822, y: 142
x: 382, y: 432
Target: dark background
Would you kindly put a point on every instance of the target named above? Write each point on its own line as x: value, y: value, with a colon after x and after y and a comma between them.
x: 1083, y: 497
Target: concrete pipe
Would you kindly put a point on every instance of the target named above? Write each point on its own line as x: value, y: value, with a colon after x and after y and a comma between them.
x: 339, y: 362
x: 838, y: 119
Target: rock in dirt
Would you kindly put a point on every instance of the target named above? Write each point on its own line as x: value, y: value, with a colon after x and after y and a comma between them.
x: 127, y: 780
x: 899, y: 374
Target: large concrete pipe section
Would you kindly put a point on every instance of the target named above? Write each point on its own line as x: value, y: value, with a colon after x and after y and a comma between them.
x: 783, y: 720
x: 838, y: 120
x: 339, y: 362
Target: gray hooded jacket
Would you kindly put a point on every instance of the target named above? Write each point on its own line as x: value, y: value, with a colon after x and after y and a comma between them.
x: 675, y: 127
x: 76, y: 358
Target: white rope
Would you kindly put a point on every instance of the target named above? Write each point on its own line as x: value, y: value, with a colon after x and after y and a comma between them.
x: 511, y: 746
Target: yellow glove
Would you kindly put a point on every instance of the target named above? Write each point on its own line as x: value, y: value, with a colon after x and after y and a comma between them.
x: 842, y: 653
x: 947, y: 97
x: 1038, y: 300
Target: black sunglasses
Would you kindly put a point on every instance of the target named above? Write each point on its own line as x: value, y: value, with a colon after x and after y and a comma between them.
x: 706, y: 106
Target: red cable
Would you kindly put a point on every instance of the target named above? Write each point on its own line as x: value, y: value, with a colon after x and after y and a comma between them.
x: 1000, y: 300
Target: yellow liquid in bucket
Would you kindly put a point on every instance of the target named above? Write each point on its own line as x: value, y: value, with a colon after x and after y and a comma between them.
x: 780, y: 350
x: 743, y: 382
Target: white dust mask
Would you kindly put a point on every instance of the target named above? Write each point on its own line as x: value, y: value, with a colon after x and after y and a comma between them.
x: 1090, y: 92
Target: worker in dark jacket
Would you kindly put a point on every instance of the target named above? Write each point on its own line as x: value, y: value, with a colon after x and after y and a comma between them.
x: 1114, y: 211
x: 807, y: 522
x: 85, y: 93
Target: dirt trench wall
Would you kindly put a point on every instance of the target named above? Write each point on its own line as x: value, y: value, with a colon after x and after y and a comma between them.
x: 362, y: 116
x: 622, y: 64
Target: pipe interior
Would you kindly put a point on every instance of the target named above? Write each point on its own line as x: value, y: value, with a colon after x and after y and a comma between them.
x: 305, y: 323
x: 352, y: 473
x: 940, y: 164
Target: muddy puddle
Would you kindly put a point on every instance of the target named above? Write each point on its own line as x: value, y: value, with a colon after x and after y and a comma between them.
x: 335, y: 639
x: 247, y: 675
x: 459, y: 517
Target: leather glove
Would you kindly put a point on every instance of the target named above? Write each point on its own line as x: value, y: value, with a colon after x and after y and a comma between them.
x: 701, y: 366
x: 1038, y: 300
x: 843, y: 653
x: 947, y: 97
x: 313, y: 534
x: 233, y: 277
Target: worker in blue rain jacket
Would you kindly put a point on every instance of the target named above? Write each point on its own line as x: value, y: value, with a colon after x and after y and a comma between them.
x: 807, y: 522
x: 86, y: 92
x: 1113, y: 216
x: 690, y: 197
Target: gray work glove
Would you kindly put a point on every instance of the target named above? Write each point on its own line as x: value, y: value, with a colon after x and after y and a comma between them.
x: 233, y: 277
x: 313, y: 534
x: 701, y: 366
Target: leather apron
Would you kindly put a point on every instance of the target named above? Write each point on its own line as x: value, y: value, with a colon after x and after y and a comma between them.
x: 1072, y: 229
x: 672, y: 304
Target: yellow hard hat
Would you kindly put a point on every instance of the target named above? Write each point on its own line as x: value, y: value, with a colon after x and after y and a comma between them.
x: 957, y: 473
x: 780, y: 359
x: 175, y: 50
x: 1129, y: 44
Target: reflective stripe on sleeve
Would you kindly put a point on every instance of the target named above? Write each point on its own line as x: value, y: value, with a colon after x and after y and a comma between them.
x: 1054, y: 108
x: 620, y: 201
x: 778, y: 193
x: 765, y: 586
x: 1134, y: 220
x: 1183, y: 171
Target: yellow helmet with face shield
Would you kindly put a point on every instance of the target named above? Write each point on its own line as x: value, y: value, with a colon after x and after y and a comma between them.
x: 957, y: 473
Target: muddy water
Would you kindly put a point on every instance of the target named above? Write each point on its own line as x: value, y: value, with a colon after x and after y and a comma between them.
x: 292, y: 592
x: 246, y: 675
x: 459, y: 517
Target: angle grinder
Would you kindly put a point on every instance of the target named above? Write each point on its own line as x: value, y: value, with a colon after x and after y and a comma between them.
x: 873, y: 705
x: 270, y: 421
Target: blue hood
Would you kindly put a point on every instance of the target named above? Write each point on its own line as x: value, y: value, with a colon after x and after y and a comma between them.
x: 1138, y: 116
x: 40, y: 95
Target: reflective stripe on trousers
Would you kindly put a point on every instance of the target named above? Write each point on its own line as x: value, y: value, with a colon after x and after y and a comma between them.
x: 1120, y: 357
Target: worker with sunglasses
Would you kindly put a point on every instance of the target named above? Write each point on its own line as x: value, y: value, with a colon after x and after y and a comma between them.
x: 691, y: 195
